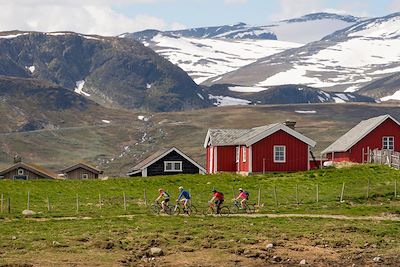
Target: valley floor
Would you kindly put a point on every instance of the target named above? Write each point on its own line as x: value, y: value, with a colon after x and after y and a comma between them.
x: 199, y: 241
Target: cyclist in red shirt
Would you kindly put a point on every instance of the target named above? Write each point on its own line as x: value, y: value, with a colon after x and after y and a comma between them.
x: 218, y: 199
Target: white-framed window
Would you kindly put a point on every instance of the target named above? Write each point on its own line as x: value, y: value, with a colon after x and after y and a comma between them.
x: 21, y: 172
x: 388, y: 142
x: 172, y: 166
x: 237, y: 154
x: 85, y: 176
x: 279, y: 154
x: 244, y: 153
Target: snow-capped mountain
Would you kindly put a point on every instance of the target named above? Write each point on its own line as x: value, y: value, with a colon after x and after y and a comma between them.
x: 205, y: 58
x: 343, y: 61
x: 237, y: 31
x: 311, y: 27
x: 207, y: 52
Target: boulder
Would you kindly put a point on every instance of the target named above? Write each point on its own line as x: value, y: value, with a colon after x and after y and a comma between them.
x: 28, y: 213
x: 303, y: 262
x: 269, y: 246
x: 377, y: 259
x: 154, y: 251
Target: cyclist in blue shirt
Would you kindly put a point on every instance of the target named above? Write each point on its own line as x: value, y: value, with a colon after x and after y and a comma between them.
x: 185, y: 196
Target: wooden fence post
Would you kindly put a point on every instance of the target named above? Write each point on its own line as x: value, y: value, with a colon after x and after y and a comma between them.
x: 317, y: 188
x: 2, y: 203
x: 259, y: 197
x: 395, y: 188
x: 145, y: 197
x: 77, y: 203
x: 275, y: 196
x: 9, y: 204
x: 297, y: 194
x: 48, y: 204
x: 342, y: 193
x: 100, y: 202
x: 124, y: 201
x: 369, y: 187
x: 28, y: 206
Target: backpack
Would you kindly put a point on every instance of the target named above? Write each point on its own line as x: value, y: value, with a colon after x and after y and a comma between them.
x: 247, y: 194
x: 166, y: 195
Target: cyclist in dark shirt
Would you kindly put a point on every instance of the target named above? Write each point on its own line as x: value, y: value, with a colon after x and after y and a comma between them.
x: 163, y: 194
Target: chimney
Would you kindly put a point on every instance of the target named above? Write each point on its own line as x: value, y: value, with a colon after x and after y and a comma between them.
x: 17, y: 159
x: 290, y: 124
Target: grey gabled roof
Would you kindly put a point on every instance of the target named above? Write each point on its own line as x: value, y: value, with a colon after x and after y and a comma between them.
x: 229, y: 137
x: 355, y: 134
x: 159, y: 155
x: 83, y: 166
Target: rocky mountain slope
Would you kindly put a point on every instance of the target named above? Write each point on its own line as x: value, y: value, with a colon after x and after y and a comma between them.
x: 114, y: 72
x: 227, y: 95
x: 385, y: 89
x: 343, y: 61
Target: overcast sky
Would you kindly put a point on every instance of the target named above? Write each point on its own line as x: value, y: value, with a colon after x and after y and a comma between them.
x: 108, y: 17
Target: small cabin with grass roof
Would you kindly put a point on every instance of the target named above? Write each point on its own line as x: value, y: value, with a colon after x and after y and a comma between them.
x: 81, y: 171
x: 167, y: 161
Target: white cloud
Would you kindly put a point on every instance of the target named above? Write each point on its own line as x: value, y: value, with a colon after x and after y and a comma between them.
x: 85, y: 16
x: 394, y: 6
x: 291, y: 9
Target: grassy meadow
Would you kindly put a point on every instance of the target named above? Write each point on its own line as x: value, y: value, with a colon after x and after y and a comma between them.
x: 109, y: 235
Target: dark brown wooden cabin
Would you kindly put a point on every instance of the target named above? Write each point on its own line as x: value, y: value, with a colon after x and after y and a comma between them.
x: 167, y: 161
x: 81, y: 171
x: 27, y: 171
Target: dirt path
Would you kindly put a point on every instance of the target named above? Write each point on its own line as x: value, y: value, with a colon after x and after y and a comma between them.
x: 257, y: 215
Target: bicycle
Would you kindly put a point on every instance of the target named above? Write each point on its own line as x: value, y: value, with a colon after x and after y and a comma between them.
x: 189, y: 210
x: 237, y: 207
x: 156, y: 209
x: 211, y: 210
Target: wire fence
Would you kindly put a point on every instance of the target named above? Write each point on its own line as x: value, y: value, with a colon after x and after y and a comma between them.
x: 272, y: 198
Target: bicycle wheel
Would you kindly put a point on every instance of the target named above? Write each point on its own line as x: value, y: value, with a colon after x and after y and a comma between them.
x: 208, y: 211
x: 224, y: 211
x: 234, y: 209
x: 155, y: 209
x: 250, y: 209
x: 191, y: 210
x: 176, y: 210
x: 170, y: 209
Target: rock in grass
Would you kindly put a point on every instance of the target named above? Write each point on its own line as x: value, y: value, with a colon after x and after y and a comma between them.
x: 269, y: 246
x: 28, y: 213
x: 13, y: 237
x: 377, y: 259
x: 303, y: 262
x: 154, y: 251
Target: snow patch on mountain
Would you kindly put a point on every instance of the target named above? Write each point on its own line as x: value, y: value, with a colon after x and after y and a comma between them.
x: 204, y: 59
x: 221, y: 101
x: 31, y: 68
x: 79, y: 88
x: 246, y: 89
x: 395, y: 96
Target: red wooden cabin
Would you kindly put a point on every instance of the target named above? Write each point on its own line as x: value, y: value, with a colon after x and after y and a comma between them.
x: 270, y: 148
x: 381, y: 132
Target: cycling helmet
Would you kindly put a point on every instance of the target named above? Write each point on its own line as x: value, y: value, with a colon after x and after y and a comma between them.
x: 240, y: 189
x: 214, y: 190
x: 160, y: 190
x: 180, y: 188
